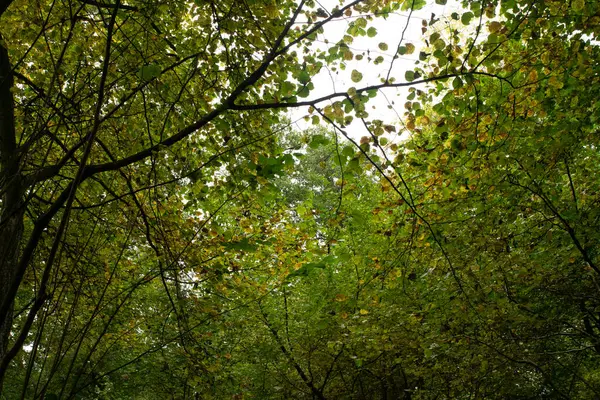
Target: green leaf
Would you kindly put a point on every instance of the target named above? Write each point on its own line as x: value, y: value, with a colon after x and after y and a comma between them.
x: 149, y: 72
x: 466, y: 18
x: 242, y: 245
x: 356, y: 76
x: 371, y: 32
x: 409, y: 76
x: 318, y: 141
x: 303, y: 92
x: 303, y: 77
x: 457, y: 83
x: 413, y: 4
x: 308, y: 268
x: 287, y: 88
x: 348, y: 151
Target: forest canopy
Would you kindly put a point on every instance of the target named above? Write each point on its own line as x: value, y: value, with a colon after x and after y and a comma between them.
x: 168, y: 229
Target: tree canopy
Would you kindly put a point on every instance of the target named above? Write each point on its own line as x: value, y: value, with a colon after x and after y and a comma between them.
x: 167, y: 231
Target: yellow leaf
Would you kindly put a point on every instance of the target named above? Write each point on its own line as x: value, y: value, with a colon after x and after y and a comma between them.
x: 271, y: 11
x: 533, y: 75
x: 578, y: 5
x: 494, y: 26
x: 340, y: 297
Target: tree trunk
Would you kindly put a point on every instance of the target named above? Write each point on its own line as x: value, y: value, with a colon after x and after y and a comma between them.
x: 11, y: 195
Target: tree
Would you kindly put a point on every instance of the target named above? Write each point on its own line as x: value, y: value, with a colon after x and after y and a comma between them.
x: 96, y: 97
x: 151, y: 205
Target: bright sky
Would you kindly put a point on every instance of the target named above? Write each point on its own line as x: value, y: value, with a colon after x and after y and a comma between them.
x: 390, y: 31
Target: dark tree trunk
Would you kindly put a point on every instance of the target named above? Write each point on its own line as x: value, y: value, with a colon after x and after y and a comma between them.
x: 11, y: 195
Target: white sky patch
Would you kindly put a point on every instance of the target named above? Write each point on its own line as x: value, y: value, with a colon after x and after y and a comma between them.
x: 397, y: 29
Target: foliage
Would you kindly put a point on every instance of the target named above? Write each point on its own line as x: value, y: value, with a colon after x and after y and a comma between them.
x: 164, y: 232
